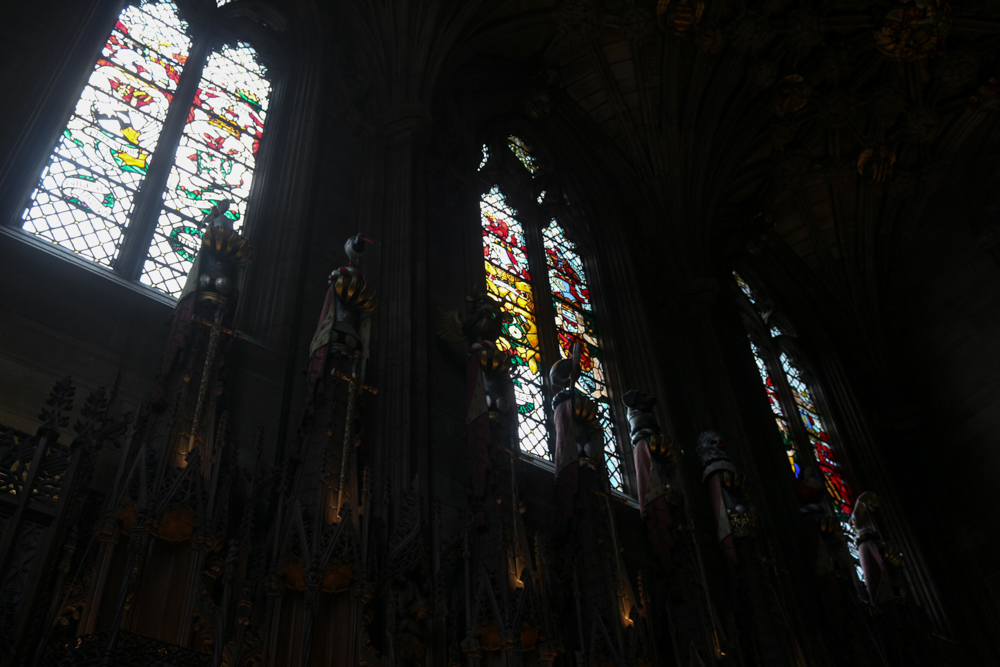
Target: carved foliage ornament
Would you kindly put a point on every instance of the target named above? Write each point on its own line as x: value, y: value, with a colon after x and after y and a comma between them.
x: 877, y: 163
x: 677, y: 17
x: 914, y: 30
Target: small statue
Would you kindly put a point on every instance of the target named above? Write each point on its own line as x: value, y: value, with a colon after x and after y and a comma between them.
x: 213, y: 276
x: 579, y: 436
x: 869, y: 549
x: 809, y: 491
x: 824, y: 547
x: 822, y: 531
x: 339, y: 329
x: 217, y: 217
x: 726, y: 485
x: 654, y: 455
x: 210, y: 291
x: 491, y: 409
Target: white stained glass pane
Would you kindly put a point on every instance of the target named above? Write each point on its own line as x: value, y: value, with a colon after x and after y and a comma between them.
x: 238, y: 70
x: 574, y: 323
x: 531, y: 413
x: 175, y: 244
x: 86, y: 193
x: 507, y: 280
x: 745, y: 288
x: 567, y: 277
x: 214, y: 160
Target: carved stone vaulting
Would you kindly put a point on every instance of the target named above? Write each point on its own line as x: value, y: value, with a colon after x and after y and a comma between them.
x: 723, y: 393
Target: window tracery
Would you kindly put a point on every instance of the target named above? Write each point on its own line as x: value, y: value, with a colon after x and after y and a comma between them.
x: 99, y: 172
x: 521, y: 245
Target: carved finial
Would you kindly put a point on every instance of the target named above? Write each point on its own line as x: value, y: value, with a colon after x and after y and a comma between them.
x: 59, y: 401
x: 94, y: 410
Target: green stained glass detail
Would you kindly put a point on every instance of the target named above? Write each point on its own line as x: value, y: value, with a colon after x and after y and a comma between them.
x: 85, y: 194
x: 508, y: 280
x: 574, y: 323
x: 523, y: 153
x: 214, y: 160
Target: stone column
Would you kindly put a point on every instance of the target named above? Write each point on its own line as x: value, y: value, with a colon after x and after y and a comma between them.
x: 393, y: 206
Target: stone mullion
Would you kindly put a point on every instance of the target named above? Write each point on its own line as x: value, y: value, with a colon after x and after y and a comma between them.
x: 615, y: 340
x: 545, y: 315
x: 149, y: 200
x: 786, y: 399
x: 281, y: 200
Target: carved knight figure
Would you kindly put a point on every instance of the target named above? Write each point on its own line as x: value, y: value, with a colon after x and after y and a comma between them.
x: 217, y: 217
x: 210, y: 291
x: 579, y: 436
x: 339, y: 330
x: 655, y: 454
x: 214, y: 271
x: 870, y: 551
x: 726, y: 486
x: 825, y: 549
x: 491, y: 409
x: 825, y: 538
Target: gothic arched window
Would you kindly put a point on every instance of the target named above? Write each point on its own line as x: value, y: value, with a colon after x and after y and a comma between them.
x: 807, y: 440
x: 167, y: 125
x: 534, y: 270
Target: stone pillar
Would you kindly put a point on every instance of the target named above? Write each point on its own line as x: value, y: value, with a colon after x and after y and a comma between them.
x: 393, y: 207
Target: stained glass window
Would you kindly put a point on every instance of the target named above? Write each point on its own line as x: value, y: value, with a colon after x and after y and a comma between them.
x: 801, y: 396
x: 86, y: 193
x: 745, y: 288
x: 779, y: 414
x: 215, y: 160
x: 840, y: 493
x: 575, y: 323
x: 510, y: 280
x: 837, y: 488
x: 97, y: 173
x: 523, y: 154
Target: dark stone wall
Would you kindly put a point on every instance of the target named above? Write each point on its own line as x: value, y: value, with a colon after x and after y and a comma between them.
x: 949, y: 355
